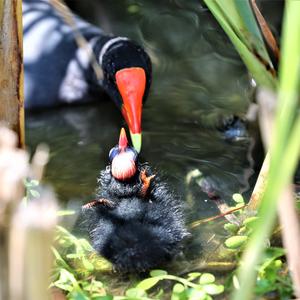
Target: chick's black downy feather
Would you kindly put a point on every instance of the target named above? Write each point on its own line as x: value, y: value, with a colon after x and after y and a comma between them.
x: 136, y: 233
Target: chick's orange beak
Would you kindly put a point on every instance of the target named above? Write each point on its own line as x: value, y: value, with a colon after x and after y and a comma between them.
x: 131, y: 83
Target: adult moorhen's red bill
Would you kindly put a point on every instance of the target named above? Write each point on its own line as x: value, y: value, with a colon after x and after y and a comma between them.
x: 58, y: 72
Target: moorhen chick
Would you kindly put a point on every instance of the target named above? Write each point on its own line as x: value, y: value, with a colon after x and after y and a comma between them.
x: 58, y: 72
x: 136, y: 222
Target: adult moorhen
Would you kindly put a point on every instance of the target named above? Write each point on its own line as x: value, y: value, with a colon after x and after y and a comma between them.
x: 57, y: 71
x: 136, y: 222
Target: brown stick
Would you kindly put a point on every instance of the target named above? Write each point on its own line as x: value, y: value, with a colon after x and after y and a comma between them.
x: 11, y: 67
x: 266, y: 31
x: 199, y: 222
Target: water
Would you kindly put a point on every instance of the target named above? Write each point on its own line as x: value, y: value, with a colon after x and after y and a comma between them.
x: 198, y: 80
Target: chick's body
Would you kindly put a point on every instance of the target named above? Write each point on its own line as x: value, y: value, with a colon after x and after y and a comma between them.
x: 136, y: 231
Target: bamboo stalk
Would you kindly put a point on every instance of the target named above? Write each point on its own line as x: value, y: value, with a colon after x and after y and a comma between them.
x: 267, y: 104
x: 31, y: 260
x: 26, y: 232
x: 286, y: 206
x: 11, y: 67
x: 13, y: 168
x: 290, y: 234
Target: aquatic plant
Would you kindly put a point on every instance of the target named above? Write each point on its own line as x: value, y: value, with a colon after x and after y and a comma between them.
x: 77, y: 271
x: 82, y: 274
x: 238, y: 21
x: 272, y: 270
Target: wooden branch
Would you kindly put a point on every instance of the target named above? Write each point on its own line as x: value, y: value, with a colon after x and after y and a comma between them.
x: 223, y: 214
x: 266, y: 31
x: 11, y: 67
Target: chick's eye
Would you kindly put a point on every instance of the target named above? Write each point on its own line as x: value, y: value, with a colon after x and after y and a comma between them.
x: 112, y: 153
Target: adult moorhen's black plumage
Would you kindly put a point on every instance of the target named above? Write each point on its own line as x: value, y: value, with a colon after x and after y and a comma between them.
x: 57, y: 71
x: 136, y: 222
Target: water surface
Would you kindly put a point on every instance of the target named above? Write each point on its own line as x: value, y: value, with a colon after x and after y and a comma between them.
x: 198, y: 80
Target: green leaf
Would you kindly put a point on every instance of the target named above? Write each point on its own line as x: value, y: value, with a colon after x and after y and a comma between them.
x: 194, y: 275
x: 278, y: 263
x: 155, y: 273
x: 242, y: 231
x: 85, y: 245
x: 62, y: 213
x: 178, y: 292
x: 88, y: 265
x: 101, y: 264
x: 31, y: 183
x: 135, y: 293
x: 63, y: 286
x: 235, y: 282
x: 59, y: 260
x: 275, y: 252
x: 207, y: 278
x: 238, y: 198
x: 213, y: 289
x: 78, y: 295
x: 34, y: 182
x: 178, y: 288
x: 34, y: 193
x: 236, y: 241
x: 197, y: 294
x: 106, y: 297
x: 148, y: 283
x: 66, y: 276
x: 231, y: 228
x: 250, y: 222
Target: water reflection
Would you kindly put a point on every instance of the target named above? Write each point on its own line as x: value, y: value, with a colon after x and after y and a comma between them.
x: 198, y: 80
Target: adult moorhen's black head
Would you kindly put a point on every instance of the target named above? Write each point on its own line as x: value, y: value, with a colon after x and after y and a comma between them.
x: 127, y: 78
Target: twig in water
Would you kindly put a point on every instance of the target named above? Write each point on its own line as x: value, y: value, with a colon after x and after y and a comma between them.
x: 199, y: 222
